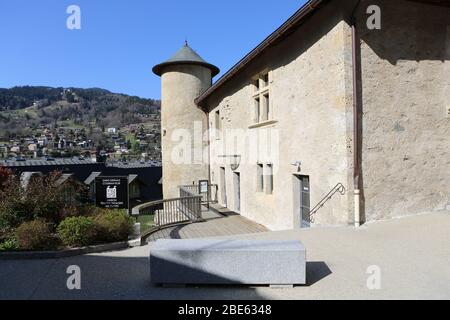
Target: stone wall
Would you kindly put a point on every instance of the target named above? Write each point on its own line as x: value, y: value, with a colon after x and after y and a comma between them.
x: 183, y: 125
x: 406, y: 98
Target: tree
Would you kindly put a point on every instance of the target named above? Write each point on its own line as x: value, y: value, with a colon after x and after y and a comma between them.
x: 70, y: 97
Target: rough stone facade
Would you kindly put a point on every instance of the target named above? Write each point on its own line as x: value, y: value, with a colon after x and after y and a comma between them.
x: 406, y: 98
x: 183, y: 125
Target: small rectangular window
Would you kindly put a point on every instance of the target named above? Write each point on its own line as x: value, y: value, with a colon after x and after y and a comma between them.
x: 260, y: 178
x: 266, y: 79
x: 269, y: 179
x: 257, y: 110
x: 266, y: 107
x: 218, y: 124
x: 256, y: 82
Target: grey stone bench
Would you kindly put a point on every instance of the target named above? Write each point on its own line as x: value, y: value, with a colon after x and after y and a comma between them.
x: 247, y: 262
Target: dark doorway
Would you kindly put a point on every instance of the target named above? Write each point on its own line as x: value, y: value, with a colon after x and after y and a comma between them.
x: 237, y: 190
x: 223, y: 187
x: 302, y: 193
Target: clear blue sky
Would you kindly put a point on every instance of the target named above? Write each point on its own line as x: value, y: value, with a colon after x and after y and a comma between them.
x: 120, y: 41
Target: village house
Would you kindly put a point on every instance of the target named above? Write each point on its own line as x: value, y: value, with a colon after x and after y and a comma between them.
x: 346, y: 105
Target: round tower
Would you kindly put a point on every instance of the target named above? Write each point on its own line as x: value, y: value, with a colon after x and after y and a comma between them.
x: 183, y: 78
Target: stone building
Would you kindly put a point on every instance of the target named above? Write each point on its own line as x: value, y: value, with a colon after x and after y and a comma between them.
x: 346, y: 94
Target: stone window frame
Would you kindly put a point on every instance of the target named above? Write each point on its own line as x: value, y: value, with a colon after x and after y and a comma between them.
x: 218, y: 124
x: 265, y: 178
x: 268, y: 178
x: 259, y: 177
x: 261, y: 88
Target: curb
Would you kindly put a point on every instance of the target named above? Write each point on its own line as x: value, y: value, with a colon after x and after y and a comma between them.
x: 42, y: 255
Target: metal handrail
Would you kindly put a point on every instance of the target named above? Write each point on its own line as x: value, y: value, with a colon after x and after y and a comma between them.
x: 193, y: 190
x: 156, y: 215
x: 338, y: 188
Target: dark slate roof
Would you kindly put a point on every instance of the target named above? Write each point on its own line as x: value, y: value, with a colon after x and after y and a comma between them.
x: 134, y: 165
x: 44, y: 162
x: 12, y: 163
x: 186, y: 55
x: 64, y: 178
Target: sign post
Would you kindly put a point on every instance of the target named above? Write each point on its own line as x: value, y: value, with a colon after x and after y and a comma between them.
x: 112, y: 192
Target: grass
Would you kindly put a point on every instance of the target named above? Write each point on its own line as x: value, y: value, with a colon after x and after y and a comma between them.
x: 70, y: 125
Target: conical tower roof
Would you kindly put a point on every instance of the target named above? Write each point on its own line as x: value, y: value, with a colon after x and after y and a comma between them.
x: 186, y: 55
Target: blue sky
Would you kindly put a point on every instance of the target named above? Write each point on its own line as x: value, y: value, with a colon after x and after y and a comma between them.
x: 120, y: 41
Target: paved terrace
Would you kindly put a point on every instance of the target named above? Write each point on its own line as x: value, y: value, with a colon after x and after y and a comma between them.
x: 413, y: 254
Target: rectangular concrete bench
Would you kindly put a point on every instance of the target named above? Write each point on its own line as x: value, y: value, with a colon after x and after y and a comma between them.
x: 247, y: 262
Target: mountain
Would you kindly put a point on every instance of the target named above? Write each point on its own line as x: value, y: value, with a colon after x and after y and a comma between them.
x: 28, y: 108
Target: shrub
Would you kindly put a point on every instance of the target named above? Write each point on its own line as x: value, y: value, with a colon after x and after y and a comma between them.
x: 35, y: 235
x: 77, y: 231
x: 69, y: 211
x: 6, y: 233
x: 87, y: 210
x: 14, y: 207
x: 113, y: 226
x: 9, y: 245
x: 47, y: 197
x: 44, y: 198
x: 5, y: 175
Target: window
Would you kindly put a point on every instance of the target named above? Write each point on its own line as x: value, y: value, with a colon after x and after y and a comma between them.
x: 266, y: 108
x: 256, y: 82
x: 269, y: 179
x: 260, y: 178
x: 264, y: 178
x: 261, y: 97
x: 266, y: 80
x: 218, y: 124
x: 257, y: 110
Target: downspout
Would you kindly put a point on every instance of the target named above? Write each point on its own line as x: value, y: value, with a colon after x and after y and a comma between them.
x: 208, y: 127
x: 356, y: 124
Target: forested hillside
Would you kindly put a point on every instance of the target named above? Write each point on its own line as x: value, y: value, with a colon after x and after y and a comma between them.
x: 27, y: 108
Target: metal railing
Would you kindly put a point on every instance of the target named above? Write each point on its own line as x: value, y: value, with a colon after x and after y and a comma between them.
x: 338, y: 188
x: 194, y: 190
x: 153, y: 216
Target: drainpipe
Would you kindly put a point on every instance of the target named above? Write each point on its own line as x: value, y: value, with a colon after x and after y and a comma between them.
x: 208, y: 127
x: 356, y: 126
